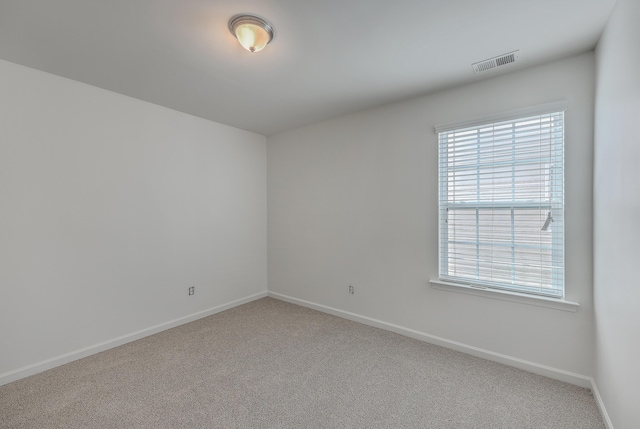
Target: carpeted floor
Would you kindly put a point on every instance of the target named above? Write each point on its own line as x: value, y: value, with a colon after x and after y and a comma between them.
x: 270, y: 364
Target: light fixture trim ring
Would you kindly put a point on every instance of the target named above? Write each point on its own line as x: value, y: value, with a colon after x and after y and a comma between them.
x: 247, y: 18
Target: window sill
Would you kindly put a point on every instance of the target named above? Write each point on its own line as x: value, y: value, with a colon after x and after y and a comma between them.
x: 539, y: 301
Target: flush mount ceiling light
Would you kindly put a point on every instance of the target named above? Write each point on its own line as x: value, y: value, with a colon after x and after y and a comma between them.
x: 253, y: 32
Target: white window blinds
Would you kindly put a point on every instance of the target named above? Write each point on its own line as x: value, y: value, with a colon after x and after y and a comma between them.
x: 502, y: 205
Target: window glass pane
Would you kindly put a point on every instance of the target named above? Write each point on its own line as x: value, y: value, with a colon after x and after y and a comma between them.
x: 499, y: 184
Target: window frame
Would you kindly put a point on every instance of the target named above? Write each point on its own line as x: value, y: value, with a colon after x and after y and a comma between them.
x: 556, y: 290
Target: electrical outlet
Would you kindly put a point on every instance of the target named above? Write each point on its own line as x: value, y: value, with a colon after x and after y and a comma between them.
x: 192, y: 290
x: 351, y: 290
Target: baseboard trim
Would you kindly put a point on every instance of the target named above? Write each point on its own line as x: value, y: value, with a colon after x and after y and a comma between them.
x: 547, y: 371
x: 36, y: 368
x: 601, y: 407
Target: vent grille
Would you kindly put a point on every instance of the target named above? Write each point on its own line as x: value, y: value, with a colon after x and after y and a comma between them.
x: 494, y: 62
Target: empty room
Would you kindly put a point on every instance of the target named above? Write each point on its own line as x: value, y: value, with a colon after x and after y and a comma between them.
x: 319, y: 214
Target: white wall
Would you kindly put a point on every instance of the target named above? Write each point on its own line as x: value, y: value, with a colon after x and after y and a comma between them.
x: 617, y: 216
x: 110, y: 208
x: 353, y: 201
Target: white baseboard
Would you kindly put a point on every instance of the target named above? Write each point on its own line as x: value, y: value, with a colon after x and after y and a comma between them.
x: 601, y: 407
x: 26, y: 371
x: 547, y: 371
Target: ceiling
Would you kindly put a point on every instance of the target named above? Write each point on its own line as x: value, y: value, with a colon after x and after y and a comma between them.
x: 328, y: 58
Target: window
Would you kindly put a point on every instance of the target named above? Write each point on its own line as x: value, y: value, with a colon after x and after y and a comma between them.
x: 501, y: 203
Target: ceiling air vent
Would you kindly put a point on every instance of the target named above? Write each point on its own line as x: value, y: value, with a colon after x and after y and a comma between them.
x: 494, y: 62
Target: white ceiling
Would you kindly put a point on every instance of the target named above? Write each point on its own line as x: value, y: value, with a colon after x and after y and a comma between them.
x: 329, y: 57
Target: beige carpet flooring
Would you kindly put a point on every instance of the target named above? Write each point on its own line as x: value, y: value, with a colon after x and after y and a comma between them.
x: 270, y: 364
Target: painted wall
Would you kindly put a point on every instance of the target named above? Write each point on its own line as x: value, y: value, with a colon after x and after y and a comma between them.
x: 617, y: 216
x: 110, y: 208
x: 353, y: 201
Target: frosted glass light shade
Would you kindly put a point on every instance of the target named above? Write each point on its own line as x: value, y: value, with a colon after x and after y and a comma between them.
x: 253, y: 32
x: 252, y: 37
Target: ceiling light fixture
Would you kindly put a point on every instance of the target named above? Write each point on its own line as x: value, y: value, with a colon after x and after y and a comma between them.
x: 253, y: 32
